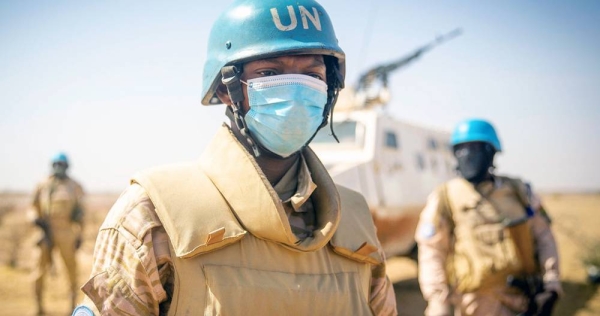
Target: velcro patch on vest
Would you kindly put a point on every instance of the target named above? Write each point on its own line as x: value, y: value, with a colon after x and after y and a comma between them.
x: 355, y: 237
x: 183, y: 196
x: 362, y: 254
x: 215, y: 236
x: 365, y: 249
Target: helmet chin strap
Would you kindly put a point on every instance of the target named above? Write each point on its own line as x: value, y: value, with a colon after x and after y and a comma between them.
x: 335, y: 83
x: 231, y: 80
x: 229, y: 112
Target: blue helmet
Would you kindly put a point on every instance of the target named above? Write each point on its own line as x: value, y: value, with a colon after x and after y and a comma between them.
x: 60, y: 157
x: 256, y: 29
x: 475, y: 130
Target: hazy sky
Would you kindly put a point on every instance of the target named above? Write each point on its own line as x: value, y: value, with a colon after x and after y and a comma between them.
x: 116, y: 84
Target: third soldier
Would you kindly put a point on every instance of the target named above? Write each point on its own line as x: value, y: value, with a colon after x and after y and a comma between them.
x: 485, y: 244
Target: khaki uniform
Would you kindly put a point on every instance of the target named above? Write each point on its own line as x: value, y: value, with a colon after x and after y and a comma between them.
x: 239, y: 246
x: 59, y: 203
x: 466, y: 252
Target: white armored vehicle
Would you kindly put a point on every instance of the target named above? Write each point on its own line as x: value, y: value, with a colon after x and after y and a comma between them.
x: 394, y: 164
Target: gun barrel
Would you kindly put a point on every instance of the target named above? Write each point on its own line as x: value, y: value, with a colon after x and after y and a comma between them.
x: 381, y: 71
x: 450, y: 35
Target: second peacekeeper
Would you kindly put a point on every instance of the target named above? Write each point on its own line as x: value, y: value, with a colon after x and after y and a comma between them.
x: 256, y: 226
x: 58, y: 213
x: 485, y: 244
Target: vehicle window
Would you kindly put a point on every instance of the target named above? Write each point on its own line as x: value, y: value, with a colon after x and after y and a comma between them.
x: 432, y: 144
x: 348, y: 132
x: 390, y: 140
x: 420, y: 161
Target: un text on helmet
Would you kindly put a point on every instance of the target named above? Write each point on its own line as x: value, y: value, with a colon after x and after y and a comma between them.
x: 304, y: 14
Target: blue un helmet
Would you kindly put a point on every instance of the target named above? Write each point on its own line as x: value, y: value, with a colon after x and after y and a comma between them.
x: 475, y: 130
x: 60, y: 157
x: 256, y: 29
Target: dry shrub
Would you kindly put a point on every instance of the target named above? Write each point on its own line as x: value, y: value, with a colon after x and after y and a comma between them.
x: 5, y: 208
x: 14, y: 228
x: 592, y: 255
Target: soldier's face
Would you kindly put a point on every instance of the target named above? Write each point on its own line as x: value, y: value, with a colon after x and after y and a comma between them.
x: 310, y: 65
x: 59, y: 169
x: 474, y: 160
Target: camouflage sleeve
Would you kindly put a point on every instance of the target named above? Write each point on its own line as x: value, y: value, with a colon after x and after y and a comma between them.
x: 382, y: 298
x: 80, y: 194
x: 79, y: 210
x: 36, y: 202
x: 132, y: 266
x: 546, y: 246
x: 433, y: 239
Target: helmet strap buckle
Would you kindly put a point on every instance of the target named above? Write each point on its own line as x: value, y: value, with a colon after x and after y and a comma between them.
x: 231, y: 80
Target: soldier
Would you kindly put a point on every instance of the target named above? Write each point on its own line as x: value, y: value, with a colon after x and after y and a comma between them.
x: 58, y: 212
x: 476, y: 238
x: 257, y: 225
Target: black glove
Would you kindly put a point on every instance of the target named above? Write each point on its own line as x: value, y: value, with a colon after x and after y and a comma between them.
x: 45, y: 226
x: 41, y: 223
x: 546, y: 302
x: 78, y: 242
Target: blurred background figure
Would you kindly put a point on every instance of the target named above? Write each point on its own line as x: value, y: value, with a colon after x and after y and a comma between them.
x: 58, y: 213
x: 485, y: 244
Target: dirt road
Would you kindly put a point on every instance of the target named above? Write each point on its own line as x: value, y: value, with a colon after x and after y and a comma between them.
x: 576, y: 225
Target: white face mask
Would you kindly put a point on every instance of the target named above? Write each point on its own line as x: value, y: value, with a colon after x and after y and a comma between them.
x: 285, y: 111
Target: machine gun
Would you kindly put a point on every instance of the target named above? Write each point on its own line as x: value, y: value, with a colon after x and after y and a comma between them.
x: 531, y: 286
x: 380, y: 73
x: 45, y: 226
x: 47, y: 238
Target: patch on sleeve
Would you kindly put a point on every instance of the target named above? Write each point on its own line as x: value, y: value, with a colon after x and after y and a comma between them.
x: 82, y: 311
x: 426, y: 230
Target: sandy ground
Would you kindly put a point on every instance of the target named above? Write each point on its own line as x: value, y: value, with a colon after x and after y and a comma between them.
x: 576, y: 225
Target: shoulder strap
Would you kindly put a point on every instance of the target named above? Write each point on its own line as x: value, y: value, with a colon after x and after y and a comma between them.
x: 465, y: 192
x: 521, y: 233
x: 521, y: 196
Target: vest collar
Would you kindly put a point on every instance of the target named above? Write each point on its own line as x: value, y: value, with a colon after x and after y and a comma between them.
x: 255, y: 203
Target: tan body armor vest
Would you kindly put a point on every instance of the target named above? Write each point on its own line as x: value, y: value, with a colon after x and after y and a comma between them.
x: 57, y: 200
x: 484, y: 251
x: 232, y: 247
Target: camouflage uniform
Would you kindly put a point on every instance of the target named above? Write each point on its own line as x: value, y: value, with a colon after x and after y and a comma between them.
x: 58, y: 204
x: 437, y: 239
x: 133, y: 248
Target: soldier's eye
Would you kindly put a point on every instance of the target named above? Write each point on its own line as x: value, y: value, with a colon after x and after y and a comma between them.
x: 460, y: 152
x: 267, y: 73
x: 317, y: 76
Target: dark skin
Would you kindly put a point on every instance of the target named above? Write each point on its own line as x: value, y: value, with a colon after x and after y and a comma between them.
x: 312, y: 65
x: 59, y: 169
x: 468, y: 152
